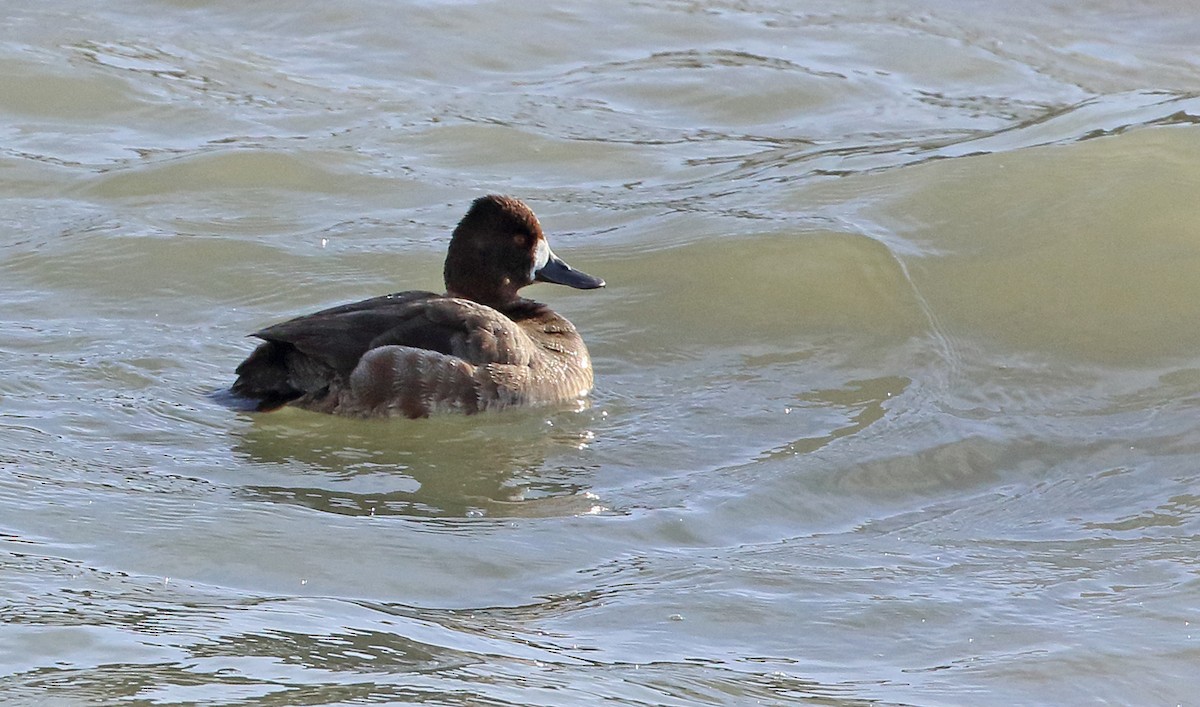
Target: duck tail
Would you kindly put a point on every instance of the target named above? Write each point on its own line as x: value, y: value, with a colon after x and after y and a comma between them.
x: 263, y: 383
x: 240, y: 403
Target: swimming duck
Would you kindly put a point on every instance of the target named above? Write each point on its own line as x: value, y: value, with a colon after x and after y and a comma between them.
x: 477, y: 347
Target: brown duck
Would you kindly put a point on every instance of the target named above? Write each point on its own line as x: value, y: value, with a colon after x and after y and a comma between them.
x: 477, y: 347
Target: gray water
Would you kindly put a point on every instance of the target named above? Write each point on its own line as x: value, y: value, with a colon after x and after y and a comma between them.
x: 897, y: 373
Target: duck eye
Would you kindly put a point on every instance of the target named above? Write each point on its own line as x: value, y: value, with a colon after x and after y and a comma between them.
x: 521, y: 240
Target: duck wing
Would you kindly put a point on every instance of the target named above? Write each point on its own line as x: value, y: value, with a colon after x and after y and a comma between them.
x: 306, y: 355
x: 339, y: 336
x: 458, y: 327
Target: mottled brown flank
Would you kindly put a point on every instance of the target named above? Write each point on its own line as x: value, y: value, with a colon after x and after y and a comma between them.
x: 416, y: 353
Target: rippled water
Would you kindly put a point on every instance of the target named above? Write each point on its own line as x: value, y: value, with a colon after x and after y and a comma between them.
x: 897, y: 372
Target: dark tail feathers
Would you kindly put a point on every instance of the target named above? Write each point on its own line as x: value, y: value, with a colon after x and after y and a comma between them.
x: 263, y: 381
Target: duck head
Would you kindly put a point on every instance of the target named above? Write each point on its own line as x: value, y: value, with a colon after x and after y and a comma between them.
x: 498, y: 248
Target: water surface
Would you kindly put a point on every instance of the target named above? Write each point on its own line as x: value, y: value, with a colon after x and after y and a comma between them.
x: 897, y: 382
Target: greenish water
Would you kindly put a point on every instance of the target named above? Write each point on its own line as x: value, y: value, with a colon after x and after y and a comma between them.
x: 897, y: 383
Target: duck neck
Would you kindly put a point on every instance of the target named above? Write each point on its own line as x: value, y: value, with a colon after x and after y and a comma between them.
x: 496, y: 298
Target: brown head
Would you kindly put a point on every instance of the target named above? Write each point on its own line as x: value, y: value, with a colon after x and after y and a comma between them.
x: 498, y: 248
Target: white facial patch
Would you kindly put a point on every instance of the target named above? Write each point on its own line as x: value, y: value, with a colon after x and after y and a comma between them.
x: 541, y: 256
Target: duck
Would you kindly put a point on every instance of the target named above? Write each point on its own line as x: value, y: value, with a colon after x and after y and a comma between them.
x: 479, y: 346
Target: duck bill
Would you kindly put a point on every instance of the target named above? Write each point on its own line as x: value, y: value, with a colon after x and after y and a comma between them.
x: 557, y: 271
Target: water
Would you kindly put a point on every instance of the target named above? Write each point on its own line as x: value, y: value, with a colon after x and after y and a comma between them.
x: 897, y: 382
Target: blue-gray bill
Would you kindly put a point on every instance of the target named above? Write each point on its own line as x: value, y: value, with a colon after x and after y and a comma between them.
x: 557, y: 271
